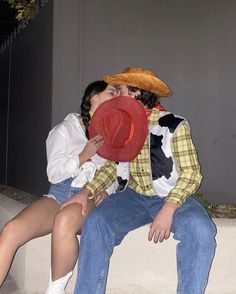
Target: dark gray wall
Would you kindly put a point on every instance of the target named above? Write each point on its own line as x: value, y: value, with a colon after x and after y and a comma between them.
x: 66, y: 59
x: 191, y: 45
x: 30, y: 104
x: 4, y: 80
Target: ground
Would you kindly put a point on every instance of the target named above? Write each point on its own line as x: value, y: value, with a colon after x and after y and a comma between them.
x: 21, y: 196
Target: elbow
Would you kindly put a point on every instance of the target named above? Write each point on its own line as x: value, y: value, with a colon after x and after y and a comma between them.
x: 198, y: 179
x: 52, y: 178
x: 200, y: 176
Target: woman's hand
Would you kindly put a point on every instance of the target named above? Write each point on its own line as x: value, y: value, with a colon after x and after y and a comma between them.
x: 100, y: 197
x: 90, y: 148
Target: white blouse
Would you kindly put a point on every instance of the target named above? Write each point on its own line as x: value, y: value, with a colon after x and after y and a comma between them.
x: 64, y: 143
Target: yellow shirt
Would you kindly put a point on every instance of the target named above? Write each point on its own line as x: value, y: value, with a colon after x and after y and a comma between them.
x: 184, y: 154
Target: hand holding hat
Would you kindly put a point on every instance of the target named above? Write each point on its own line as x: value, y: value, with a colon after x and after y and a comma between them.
x: 122, y: 122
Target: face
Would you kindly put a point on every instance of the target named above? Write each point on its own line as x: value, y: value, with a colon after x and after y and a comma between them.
x: 124, y: 91
x: 108, y: 93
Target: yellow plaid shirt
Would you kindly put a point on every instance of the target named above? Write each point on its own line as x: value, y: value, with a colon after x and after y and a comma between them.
x: 185, y: 156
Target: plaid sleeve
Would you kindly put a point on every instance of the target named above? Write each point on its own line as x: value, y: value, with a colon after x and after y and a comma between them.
x: 104, y: 177
x: 185, y: 155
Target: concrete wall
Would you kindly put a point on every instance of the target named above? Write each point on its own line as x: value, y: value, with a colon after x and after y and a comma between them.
x: 137, y: 265
x: 190, y: 44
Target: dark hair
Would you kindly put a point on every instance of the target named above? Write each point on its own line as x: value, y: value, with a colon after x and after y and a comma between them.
x: 148, y: 98
x: 91, y: 90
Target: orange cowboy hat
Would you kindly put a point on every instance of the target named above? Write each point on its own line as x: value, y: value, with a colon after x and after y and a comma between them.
x: 140, y: 78
x: 122, y: 122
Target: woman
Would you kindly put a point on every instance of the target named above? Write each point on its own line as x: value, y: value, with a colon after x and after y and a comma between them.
x: 72, y: 161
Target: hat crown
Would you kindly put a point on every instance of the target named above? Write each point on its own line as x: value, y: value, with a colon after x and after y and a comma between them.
x: 122, y: 122
x: 140, y: 78
x: 138, y: 70
x: 117, y: 126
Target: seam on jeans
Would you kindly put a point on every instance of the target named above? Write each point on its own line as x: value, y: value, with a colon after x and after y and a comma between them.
x: 178, y: 269
x: 101, y: 278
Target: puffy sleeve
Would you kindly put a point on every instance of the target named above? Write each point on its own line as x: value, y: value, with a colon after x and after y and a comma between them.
x: 61, y: 164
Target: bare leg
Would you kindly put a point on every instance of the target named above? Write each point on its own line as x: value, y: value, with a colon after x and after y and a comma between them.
x: 34, y: 221
x: 67, y: 224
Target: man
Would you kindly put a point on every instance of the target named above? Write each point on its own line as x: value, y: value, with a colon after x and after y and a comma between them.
x: 155, y: 187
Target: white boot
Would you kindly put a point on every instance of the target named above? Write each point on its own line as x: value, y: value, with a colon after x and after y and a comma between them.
x: 58, y: 286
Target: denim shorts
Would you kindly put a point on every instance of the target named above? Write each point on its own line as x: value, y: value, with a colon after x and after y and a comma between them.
x: 62, y: 191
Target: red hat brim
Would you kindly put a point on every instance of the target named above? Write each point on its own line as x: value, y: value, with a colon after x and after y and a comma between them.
x: 138, y: 116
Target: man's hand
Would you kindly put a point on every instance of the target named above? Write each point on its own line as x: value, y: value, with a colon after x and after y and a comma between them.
x: 100, y: 197
x: 161, y: 225
x: 80, y: 198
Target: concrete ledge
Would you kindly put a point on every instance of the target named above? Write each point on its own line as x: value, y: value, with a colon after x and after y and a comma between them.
x: 137, y: 266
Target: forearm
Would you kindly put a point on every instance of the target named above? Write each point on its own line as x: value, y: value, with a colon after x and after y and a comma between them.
x: 187, y: 184
x: 103, y: 179
x: 185, y: 156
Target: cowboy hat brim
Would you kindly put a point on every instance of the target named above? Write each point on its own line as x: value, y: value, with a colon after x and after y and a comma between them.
x: 142, y: 81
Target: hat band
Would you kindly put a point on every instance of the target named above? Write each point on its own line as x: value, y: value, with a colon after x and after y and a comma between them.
x: 131, y: 134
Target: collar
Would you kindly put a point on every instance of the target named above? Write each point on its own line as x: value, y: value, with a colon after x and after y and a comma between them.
x: 154, y: 116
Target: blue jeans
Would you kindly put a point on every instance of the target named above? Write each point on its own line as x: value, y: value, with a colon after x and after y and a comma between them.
x: 62, y: 191
x: 108, y: 224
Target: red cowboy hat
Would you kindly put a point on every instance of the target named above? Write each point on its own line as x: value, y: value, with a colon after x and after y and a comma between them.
x: 122, y: 122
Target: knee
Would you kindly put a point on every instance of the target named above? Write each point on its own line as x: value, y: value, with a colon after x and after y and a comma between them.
x: 202, y: 235
x: 10, y: 232
x: 204, y: 232
x: 196, y: 226
x: 64, y: 225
